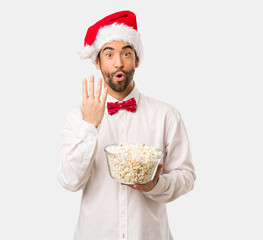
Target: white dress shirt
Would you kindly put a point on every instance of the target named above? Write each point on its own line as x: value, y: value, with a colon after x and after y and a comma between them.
x: 109, y: 210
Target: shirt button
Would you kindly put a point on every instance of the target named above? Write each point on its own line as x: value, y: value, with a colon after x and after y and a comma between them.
x: 123, y: 212
x: 123, y: 188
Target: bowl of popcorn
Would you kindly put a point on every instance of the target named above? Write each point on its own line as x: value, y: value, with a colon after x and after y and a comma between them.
x: 132, y: 163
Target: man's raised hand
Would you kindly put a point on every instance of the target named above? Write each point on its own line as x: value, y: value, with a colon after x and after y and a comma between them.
x: 92, y: 106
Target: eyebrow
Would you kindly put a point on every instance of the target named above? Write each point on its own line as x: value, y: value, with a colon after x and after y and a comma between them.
x: 127, y: 46
x: 110, y: 48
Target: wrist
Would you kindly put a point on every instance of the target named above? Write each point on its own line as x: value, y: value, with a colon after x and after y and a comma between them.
x: 93, y: 123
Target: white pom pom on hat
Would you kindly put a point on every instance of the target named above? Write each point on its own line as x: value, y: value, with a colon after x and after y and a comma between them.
x: 119, y: 26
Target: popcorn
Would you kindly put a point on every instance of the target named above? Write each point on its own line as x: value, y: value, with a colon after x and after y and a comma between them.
x: 133, y: 163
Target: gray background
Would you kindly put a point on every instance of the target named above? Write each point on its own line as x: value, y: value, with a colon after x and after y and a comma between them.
x: 203, y: 57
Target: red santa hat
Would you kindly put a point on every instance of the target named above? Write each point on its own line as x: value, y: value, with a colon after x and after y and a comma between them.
x: 119, y: 26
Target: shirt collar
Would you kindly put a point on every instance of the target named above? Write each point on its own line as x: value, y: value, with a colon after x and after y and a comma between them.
x: 134, y: 93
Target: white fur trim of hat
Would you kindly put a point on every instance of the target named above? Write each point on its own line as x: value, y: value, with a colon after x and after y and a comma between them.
x: 114, y: 32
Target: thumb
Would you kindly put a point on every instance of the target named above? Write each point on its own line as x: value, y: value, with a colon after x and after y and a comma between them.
x: 159, y: 169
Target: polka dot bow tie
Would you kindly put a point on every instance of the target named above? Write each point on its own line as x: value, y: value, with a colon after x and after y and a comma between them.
x: 129, y: 105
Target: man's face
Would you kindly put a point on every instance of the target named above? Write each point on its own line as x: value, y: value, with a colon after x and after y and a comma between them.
x: 117, y: 63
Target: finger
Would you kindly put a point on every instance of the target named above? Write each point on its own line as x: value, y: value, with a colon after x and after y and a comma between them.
x: 84, y: 90
x: 130, y: 186
x: 98, y: 90
x: 158, y: 172
x: 140, y: 188
x: 104, y: 96
x: 91, y: 86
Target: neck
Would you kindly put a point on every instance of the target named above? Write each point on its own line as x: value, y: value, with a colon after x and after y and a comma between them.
x: 121, y: 95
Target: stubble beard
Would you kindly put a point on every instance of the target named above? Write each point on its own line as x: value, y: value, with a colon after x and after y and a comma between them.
x: 119, y: 86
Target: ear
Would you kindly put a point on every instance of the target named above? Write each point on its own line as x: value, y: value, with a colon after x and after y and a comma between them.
x: 137, y: 62
x: 97, y: 63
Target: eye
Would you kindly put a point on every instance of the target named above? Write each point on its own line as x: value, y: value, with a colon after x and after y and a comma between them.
x: 126, y: 54
x: 108, y: 55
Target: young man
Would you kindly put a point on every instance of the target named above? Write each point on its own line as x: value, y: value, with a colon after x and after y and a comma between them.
x: 110, y: 210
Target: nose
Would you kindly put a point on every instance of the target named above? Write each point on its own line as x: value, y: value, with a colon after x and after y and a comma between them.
x: 118, y: 61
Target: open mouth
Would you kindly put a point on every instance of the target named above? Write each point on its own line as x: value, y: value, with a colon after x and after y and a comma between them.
x: 119, y: 76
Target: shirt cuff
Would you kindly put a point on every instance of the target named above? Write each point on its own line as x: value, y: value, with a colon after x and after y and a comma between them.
x: 158, y: 188
x: 87, y: 131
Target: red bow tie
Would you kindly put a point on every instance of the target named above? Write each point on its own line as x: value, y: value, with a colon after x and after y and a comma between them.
x: 129, y: 105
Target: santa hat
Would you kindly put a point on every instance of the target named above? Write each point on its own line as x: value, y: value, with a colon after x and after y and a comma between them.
x: 119, y: 26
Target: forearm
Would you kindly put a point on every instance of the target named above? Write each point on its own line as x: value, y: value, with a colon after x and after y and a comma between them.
x: 76, y: 154
x: 171, y: 186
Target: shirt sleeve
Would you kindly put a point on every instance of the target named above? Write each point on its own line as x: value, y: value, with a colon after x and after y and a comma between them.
x: 76, y: 151
x: 178, y: 176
